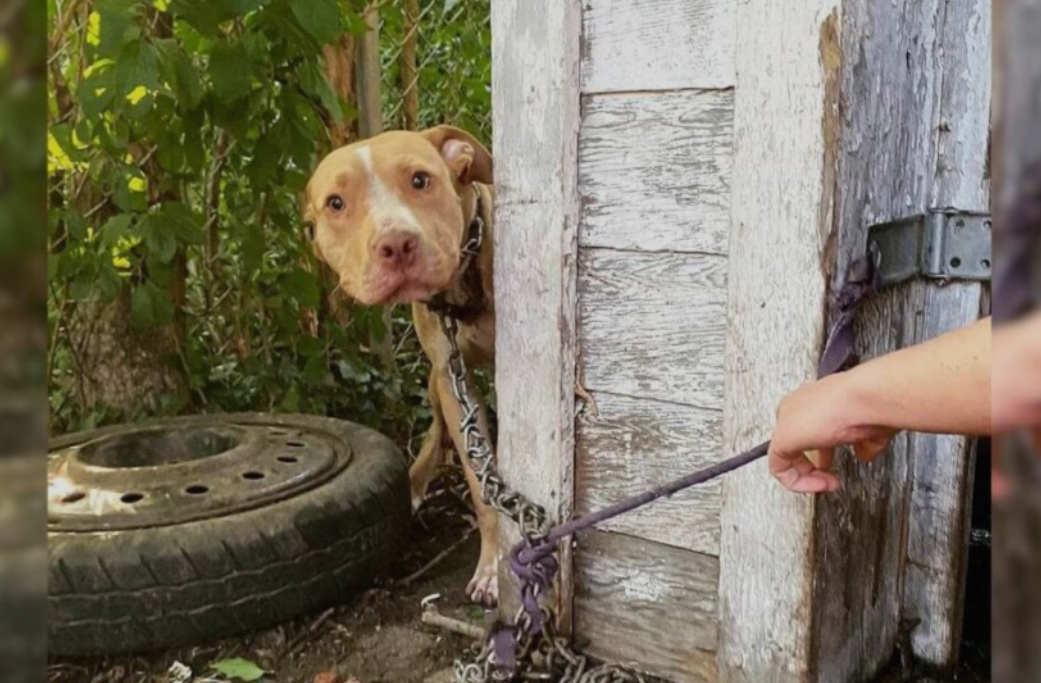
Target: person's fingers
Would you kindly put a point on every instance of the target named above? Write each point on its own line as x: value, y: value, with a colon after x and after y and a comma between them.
x: 799, y: 475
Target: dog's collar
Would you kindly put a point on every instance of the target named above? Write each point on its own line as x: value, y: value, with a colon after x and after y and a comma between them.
x: 466, y: 301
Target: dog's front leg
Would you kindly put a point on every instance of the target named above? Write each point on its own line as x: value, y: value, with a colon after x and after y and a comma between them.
x: 424, y: 469
x: 484, y: 586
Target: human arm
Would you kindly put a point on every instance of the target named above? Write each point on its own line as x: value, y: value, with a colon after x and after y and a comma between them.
x: 940, y: 386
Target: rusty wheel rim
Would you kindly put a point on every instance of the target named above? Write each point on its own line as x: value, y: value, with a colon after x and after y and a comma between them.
x: 181, y: 471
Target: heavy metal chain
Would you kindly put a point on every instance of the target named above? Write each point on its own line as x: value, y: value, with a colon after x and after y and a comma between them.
x: 529, y: 516
x: 540, y: 655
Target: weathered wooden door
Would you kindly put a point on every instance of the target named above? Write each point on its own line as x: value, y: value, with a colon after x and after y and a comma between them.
x: 680, y: 182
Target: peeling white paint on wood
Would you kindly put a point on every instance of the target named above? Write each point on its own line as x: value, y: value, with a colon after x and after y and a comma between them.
x: 647, y: 604
x: 781, y: 219
x: 658, y: 44
x: 537, y: 112
x: 653, y: 325
x: 655, y: 171
x: 634, y: 444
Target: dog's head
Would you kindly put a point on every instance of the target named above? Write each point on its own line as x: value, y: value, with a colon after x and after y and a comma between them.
x: 389, y: 214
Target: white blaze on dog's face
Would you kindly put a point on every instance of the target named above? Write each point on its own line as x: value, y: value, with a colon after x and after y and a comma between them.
x: 389, y: 213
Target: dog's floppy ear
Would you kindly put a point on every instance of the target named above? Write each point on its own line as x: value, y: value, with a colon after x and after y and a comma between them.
x: 468, y: 158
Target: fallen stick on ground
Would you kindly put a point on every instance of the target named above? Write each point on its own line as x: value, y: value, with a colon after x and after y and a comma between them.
x: 298, y: 641
x: 431, y: 617
x: 412, y: 578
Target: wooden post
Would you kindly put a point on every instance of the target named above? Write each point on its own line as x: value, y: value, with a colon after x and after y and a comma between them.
x: 783, y: 194
x: 816, y: 589
x: 942, y: 468
x: 370, y: 77
x: 536, y: 122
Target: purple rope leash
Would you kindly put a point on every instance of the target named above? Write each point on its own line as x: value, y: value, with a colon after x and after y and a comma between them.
x: 536, y: 566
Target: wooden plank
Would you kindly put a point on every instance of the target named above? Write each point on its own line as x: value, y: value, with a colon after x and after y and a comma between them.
x: 652, y: 325
x: 655, y: 171
x: 633, y: 444
x: 535, y: 57
x: 858, y: 609
x: 942, y: 467
x: 658, y: 45
x: 647, y: 604
x: 785, y: 117
x: 861, y: 533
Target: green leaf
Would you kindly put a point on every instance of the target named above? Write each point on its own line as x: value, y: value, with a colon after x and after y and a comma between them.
x: 303, y: 287
x: 180, y: 222
x: 207, y: 15
x: 181, y: 74
x: 239, y: 669
x: 160, y: 241
x: 97, y: 92
x: 117, y: 24
x: 137, y: 65
x: 116, y: 228
x: 321, y: 18
x: 230, y: 71
x: 315, y: 82
x: 451, y: 5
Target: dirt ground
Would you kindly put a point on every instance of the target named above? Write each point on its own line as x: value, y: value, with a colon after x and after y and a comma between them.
x: 379, y: 638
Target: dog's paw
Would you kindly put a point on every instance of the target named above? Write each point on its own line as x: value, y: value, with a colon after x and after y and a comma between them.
x: 417, y: 502
x: 484, y: 586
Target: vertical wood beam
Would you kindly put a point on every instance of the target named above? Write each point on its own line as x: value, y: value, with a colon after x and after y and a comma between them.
x: 942, y: 467
x: 370, y: 76
x: 785, y: 133
x: 535, y: 61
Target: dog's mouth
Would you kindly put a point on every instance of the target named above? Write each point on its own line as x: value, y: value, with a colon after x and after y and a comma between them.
x: 398, y: 287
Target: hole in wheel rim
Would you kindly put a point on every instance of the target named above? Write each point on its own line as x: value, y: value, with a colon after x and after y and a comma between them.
x: 253, y: 476
x: 159, y: 446
x: 73, y: 497
x: 131, y: 498
x: 288, y: 459
x: 197, y: 490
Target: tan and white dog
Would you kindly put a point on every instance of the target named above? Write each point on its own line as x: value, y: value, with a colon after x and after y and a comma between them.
x: 390, y: 216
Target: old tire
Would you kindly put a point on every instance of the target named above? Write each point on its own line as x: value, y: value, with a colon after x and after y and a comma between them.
x: 138, y: 589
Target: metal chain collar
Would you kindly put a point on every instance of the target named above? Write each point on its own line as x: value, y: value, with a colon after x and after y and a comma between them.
x: 541, y: 655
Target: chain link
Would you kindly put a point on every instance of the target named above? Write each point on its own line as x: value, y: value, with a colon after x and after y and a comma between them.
x: 542, y: 656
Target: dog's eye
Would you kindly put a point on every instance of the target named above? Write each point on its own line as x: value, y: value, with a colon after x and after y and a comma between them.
x: 335, y: 203
x: 420, y: 181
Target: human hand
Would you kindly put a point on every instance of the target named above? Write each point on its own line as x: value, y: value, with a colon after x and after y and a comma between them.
x: 812, y: 422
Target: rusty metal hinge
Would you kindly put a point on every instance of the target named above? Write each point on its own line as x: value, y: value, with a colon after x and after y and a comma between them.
x: 944, y: 244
